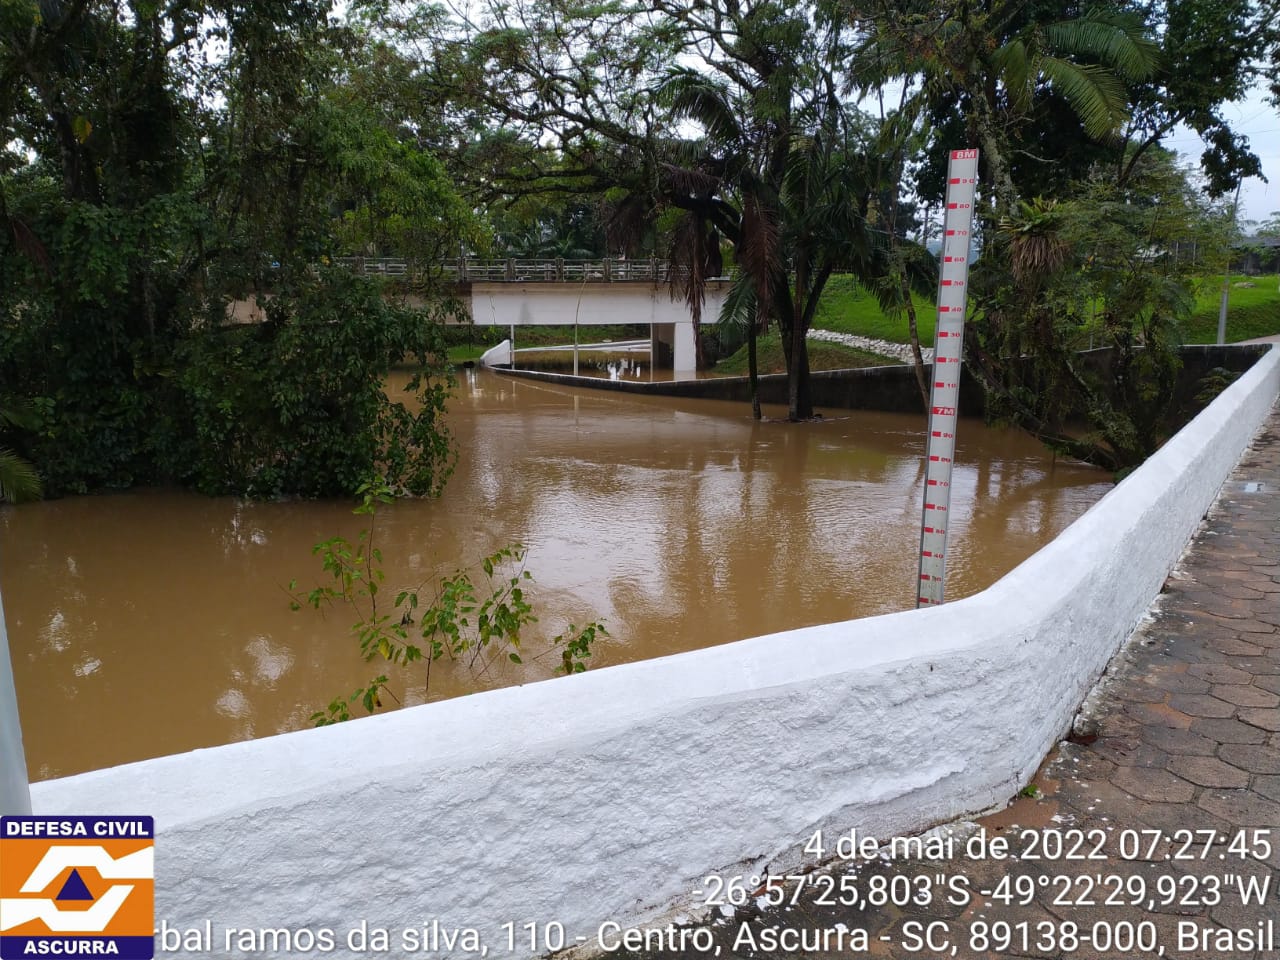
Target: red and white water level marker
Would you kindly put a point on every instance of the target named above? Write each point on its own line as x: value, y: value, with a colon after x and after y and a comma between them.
x: 944, y: 397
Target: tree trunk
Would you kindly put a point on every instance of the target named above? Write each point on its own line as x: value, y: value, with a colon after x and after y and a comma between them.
x: 985, y: 128
x: 699, y: 362
x: 799, y: 395
x: 753, y: 372
x: 921, y: 380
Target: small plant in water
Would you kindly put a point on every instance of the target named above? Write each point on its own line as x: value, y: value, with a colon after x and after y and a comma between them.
x: 472, y: 624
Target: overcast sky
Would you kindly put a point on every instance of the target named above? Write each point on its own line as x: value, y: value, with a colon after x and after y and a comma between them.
x: 1260, y: 122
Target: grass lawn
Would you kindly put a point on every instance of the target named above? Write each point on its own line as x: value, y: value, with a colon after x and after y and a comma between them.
x: 822, y: 356
x: 848, y: 308
x: 1251, y: 312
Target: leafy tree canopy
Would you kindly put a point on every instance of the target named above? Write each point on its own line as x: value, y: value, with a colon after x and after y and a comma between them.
x: 161, y: 162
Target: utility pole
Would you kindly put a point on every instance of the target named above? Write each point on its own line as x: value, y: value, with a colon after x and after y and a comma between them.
x: 1226, y: 279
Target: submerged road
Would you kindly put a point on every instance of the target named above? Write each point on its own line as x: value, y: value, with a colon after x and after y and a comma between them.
x: 1154, y: 832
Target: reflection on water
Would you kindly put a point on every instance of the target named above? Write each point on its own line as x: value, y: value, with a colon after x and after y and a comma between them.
x: 152, y: 622
x: 600, y: 364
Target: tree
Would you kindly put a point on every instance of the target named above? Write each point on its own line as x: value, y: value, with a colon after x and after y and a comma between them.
x: 147, y: 181
x: 1107, y: 268
x: 997, y: 62
x: 1211, y: 54
x: 598, y: 100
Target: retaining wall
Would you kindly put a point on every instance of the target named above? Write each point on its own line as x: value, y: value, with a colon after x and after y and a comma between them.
x: 892, y: 389
x: 610, y: 794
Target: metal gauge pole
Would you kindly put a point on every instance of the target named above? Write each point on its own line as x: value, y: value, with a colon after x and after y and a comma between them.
x: 944, y: 395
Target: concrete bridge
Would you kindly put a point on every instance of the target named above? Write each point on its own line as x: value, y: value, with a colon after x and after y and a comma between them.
x: 556, y: 292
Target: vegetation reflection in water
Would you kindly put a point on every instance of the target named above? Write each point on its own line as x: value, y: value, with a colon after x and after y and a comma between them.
x: 152, y: 622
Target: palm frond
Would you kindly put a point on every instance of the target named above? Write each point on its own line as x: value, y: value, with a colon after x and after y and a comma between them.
x: 1017, y: 66
x: 759, y: 252
x: 739, y: 307
x: 689, y: 255
x: 1094, y: 93
x: 18, y: 479
x: 627, y: 223
x: 1115, y: 39
x: 704, y: 100
x: 18, y: 414
x: 690, y: 180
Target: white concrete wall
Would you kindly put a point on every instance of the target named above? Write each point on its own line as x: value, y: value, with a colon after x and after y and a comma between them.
x: 608, y: 795
x: 556, y: 304
x: 14, y: 796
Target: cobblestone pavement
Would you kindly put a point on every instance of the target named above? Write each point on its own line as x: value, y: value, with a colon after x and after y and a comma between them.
x: 1159, y: 822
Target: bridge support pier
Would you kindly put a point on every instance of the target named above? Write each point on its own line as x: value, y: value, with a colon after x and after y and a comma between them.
x: 673, y: 345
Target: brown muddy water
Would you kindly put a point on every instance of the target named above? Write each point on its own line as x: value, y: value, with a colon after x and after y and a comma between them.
x: 155, y: 621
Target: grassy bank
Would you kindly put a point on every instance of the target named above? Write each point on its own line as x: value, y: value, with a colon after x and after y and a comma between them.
x: 847, y: 308
x: 1252, y: 311
x: 822, y: 356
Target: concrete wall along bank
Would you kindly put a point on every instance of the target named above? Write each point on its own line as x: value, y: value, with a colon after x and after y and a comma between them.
x: 609, y: 795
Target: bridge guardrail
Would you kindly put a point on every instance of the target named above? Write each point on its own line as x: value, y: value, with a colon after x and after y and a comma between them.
x: 519, y: 269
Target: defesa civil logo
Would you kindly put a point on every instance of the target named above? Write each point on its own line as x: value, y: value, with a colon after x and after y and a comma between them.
x: 77, y: 887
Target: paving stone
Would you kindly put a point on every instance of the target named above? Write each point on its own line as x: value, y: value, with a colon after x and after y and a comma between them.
x: 1169, y: 818
x: 1177, y: 682
x: 1263, y: 719
x: 1245, y: 696
x: 1237, y: 648
x: 1201, y: 705
x: 1219, y: 673
x: 1240, y: 592
x: 1142, y: 691
x: 1270, y: 641
x: 1241, y: 807
x: 1269, y: 683
x: 1158, y: 786
x: 1129, y: 752
x: 1228, y: 731
x: 1257, y: 625
x: 1158, y: 715
x: 1192, y: 742
x: 1209, y: 772
x: 1256, y: 758
x: 1269, y: 787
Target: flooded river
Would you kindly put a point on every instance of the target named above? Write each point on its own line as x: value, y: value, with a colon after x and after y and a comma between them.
x: 152, y: 622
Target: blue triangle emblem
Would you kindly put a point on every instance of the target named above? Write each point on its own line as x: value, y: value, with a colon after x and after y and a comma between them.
x: 74, y: 888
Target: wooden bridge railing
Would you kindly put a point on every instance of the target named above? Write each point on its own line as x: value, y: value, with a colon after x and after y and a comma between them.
x: 519, y: 270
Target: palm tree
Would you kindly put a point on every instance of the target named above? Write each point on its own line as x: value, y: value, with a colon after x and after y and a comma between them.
x: 778, y: 174
x: 995, y: 61
x: 18, y: 478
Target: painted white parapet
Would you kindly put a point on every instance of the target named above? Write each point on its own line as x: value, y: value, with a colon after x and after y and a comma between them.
x: 515, y: 304
x: 14, y: 796
x: 609, y: 795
